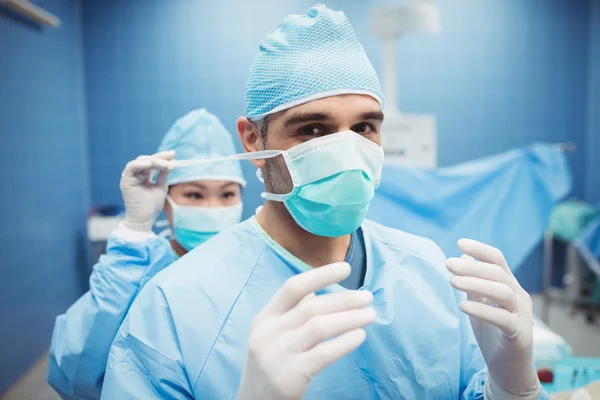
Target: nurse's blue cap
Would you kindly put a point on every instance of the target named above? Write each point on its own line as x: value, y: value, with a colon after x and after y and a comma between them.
x: 309, y: 57
x: 200, y: 135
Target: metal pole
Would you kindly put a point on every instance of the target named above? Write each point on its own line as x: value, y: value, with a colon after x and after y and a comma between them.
x: 547, y: 275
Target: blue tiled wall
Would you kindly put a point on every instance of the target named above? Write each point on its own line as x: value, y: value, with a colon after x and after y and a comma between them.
x: 44, y: 174
x: 593, y: 139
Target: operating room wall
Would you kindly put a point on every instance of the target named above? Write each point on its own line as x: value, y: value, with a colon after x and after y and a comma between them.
x: 45, y: 181
x: 593, y: 140
x: 148, y: 63
x: 502, y: 73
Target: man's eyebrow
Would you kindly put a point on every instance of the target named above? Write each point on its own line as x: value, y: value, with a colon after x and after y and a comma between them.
x: 308, y: 117
x: 376, y: 115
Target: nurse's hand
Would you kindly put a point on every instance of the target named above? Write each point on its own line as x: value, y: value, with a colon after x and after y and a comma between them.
x: 299, y: 333
x: 501, y: 315
x: 143, y: 198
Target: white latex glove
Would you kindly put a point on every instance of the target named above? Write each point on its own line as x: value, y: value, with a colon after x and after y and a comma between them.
x: 144, y: 199
x: 289, y: 338
x: 501, y: 315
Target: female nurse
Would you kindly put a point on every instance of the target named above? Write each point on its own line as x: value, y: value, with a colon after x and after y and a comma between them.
x: 199, y: 201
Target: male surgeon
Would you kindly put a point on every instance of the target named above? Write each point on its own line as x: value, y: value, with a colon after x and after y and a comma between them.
x: 308, y: 299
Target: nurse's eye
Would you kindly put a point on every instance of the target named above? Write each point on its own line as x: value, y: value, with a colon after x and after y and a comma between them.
x: 194, y: 195
x: 364, y: 128
x: 312, y: 130
x: 228, y: 195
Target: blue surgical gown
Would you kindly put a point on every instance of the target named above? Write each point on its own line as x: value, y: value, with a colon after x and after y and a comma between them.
x: 186, y: 334
x: 82, y: 336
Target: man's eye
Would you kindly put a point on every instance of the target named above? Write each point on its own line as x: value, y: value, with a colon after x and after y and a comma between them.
x: 312, y: 130
x: 363, y: 128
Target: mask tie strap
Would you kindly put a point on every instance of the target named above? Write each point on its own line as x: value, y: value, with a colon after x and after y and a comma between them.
x: 254, y: 155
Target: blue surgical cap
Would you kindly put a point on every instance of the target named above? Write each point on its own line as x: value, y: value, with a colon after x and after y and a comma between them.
x: 309, y: 57
x: 200, y: 135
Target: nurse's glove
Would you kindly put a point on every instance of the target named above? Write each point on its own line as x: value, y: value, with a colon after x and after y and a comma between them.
x: 501, y: 315
x: 143, y: 198
x: 299, y: 333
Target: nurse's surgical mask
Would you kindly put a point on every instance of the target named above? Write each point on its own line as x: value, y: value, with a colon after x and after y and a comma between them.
x: 193, y: 225
x: 334, y: 179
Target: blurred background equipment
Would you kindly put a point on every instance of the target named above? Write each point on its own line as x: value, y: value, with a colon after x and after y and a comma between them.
x: 572, y: 259
x: 101, y: 222
x: 408, y: 139
x: 33, y: 12
x: 503, y: 200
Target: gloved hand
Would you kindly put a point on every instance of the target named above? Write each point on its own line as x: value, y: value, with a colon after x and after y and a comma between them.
x: 144, y: 199
x: 501, y: 315
x: 289, y: 337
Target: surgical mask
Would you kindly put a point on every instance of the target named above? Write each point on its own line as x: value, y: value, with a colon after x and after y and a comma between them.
x: 193, y: 225
x: 334, y: 179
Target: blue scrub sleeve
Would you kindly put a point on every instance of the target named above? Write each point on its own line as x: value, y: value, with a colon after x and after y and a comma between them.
x: 83, y: 335
x: 145, y: 360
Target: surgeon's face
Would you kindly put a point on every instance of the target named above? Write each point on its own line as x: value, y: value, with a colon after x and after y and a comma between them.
x: 285, y: 129
x: 359, y: 113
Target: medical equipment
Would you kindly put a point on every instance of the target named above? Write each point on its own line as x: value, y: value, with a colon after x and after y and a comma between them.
x: 101, y: 222
x: 548, y: 346
x: 572, y: 373
x: 407, y: 139
x: 588, y: 247
x: 293, y: 68
x: 572, y: 257
x: 32, y: 11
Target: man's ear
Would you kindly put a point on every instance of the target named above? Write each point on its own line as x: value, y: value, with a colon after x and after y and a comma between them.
x: 250, y: 138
